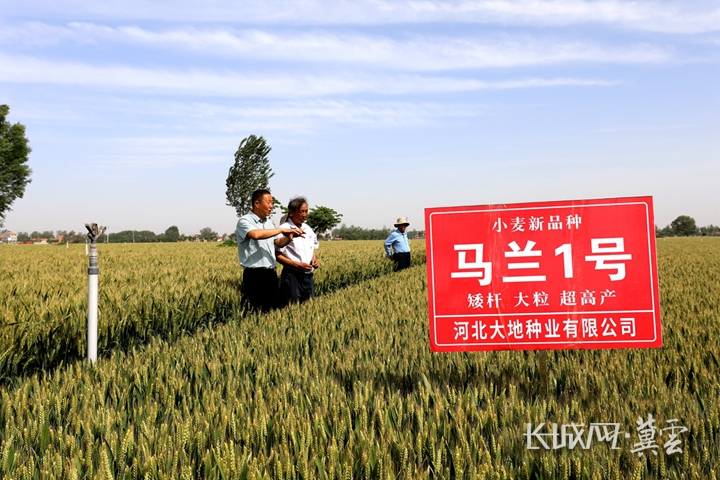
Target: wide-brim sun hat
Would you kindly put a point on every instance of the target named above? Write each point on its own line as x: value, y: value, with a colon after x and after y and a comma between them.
x: 402, y: 221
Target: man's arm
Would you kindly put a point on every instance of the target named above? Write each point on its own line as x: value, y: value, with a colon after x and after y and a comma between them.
x: 316, y: 244
x: 314, y: 262
x: 248, y: 229
x: 287, y: 235
x: 390, y: 240
x: 287, y: 262
x: 261, y: 234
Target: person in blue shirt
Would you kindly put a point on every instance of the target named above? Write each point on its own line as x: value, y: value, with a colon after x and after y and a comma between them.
x: 398, y: 241
x: 257, y: 239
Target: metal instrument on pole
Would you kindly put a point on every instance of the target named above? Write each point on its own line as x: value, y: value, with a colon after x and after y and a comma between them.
x: 93, y: 233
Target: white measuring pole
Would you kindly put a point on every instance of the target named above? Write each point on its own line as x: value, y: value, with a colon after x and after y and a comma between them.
x: 93, y: 272
x: 92, y: 304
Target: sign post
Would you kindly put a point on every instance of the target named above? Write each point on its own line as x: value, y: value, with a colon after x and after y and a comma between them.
x: 547, y: 275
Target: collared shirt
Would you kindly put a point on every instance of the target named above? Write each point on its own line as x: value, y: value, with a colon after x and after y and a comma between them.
x: 255, y: 253
x: 398, y: 241
x: 300, y: 249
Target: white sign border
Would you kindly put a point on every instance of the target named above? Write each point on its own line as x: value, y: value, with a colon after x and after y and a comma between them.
x: 611, y: 204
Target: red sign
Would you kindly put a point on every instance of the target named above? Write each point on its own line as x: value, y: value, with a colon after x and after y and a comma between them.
x: 550, y: 275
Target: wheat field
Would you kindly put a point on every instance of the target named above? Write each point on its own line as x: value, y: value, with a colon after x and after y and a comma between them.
x: 345, y: 386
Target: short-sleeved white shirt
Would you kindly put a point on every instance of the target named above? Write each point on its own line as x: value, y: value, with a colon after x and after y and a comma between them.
x: 300, y: 249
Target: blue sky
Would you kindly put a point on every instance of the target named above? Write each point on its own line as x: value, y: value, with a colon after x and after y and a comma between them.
x: 134, y: 109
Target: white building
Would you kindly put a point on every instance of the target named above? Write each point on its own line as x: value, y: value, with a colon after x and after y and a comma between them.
x: 8, y: 237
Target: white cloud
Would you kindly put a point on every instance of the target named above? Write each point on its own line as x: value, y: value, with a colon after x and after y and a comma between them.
x: 308, y: 115
x: 22, y: 69
x: 657, y: 16
x: 415, y: 53
x: 171, y: 118
x: 41, y: 34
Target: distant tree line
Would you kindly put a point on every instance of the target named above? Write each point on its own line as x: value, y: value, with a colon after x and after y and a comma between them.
x: 358, y: 233
x: 67, y: 236
x: 172, y: 234
x: 684, y: 226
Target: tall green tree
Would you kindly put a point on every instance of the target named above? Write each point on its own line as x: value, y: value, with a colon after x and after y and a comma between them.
x: 14, y: 153
x: 277, y: 204
x: 684, y: 226
x: 208, y: 234
x: 251, y: 171
x: 321, y: 219
x: 172, y: 234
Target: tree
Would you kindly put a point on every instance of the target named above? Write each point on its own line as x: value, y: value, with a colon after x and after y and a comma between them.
x: 46, y: 234
x: 133, y: 236
x: 709, y: 230
x: 76, y: 237
x: 278, y: 204
x: 358, y: 233
x: 684, y: 226
x: 145, y: 236
x: 251, y: 171
x: 172, y: 234
x: 14, y: 152
x: 321, y: 219
x: 208, y: 234
x: 665, y: 232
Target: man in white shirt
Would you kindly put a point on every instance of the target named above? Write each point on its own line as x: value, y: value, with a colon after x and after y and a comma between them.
x: 298, y: 257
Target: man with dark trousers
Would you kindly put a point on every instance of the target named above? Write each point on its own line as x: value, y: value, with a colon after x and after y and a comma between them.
x: 298, y: 257
x: 400, y: 244
x: 257, y: 238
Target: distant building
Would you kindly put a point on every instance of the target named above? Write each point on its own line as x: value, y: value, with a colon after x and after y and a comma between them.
x: 8, y: 237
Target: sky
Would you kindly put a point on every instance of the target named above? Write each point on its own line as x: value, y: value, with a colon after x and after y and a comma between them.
x: 377, y: 109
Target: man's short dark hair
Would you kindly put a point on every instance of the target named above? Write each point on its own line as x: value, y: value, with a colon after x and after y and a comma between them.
x: 258, y: 195
x: 296, y: 203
